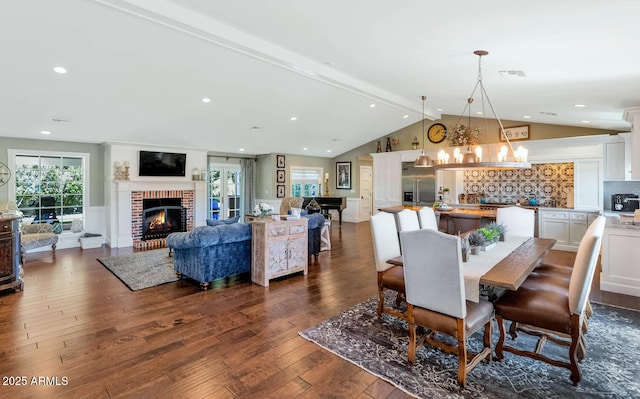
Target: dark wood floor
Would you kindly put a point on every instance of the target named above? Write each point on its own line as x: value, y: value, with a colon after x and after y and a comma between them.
x: 78, y: 323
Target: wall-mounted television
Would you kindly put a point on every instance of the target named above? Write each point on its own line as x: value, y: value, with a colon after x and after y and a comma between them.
x: 162, y: 163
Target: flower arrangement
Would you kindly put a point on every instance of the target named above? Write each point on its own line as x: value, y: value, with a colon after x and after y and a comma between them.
x: 262, y: 209
x: 462, y: 135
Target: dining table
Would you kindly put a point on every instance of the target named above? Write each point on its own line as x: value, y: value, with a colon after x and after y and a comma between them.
x: 504, y: 266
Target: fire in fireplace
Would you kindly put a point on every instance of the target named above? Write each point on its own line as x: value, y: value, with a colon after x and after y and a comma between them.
x: 162, y: 216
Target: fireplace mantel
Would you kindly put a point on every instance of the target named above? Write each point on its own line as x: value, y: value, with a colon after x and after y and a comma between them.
x: 124, y: 188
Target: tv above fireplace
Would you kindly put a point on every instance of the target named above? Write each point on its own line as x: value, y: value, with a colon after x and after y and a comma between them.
x: 154, y: 163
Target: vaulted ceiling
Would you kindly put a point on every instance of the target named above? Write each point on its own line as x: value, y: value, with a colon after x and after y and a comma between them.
x: 301, y: 77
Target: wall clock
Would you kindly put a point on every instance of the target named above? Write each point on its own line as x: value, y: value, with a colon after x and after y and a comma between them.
x: 5, y: 174
x: 437, y: 133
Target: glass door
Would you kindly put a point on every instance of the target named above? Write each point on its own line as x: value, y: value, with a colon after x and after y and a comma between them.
x: 225, y: 191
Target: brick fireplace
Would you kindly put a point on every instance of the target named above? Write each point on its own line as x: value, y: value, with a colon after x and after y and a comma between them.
x: 128, y: 201
x: 137, y: 220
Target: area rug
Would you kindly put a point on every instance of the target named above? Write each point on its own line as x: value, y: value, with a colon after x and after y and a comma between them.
x: 141, y: 270
x: 380, y: 347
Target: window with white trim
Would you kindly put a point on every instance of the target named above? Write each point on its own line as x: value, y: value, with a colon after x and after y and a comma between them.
x: 305, y: 181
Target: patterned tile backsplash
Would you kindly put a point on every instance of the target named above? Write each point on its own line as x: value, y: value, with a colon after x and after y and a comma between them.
x: 546, y: 181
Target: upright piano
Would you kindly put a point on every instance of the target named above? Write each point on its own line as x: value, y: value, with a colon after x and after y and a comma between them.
x: 327, y: 203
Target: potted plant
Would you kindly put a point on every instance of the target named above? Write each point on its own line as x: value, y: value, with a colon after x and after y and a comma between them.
x: 476, y: 240
x: 500, y: 228
x: 491, y: 237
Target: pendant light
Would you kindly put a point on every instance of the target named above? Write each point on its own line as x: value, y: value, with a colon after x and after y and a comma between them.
x: 423, y: 161
x: 472, y: 159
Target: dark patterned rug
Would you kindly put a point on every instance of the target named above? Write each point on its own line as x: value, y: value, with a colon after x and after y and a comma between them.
x: 141, y: 270
x: 380, y: 347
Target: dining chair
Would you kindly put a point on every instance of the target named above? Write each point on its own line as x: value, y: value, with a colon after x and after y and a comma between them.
x: 554, y: 312
x: 438, y: 304
x: 427, y: 218
x: 464, y: 222
x: 518, y: 221
x: 408, y: 220
x: 386, y: 246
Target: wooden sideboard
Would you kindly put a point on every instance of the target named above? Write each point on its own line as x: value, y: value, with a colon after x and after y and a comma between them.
x: 279, y: 248
x: 10, y: 254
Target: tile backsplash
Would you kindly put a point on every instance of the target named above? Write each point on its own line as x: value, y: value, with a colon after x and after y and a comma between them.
x: 547, y: 182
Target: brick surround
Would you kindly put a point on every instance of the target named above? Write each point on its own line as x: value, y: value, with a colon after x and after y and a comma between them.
x: 187, y: 197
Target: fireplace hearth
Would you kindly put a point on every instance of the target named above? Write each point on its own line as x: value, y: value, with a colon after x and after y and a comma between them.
x: 161, y: 217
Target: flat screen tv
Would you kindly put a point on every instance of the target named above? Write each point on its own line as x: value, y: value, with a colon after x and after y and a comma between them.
x: 162, y: 163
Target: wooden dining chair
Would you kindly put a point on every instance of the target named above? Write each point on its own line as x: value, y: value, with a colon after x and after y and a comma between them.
x: 552, y: 312
x: 386, y: 246
x: 438, y: 304
x: 464, y: 222
x: 408, y: 220
x: 518, y: 221
x: 427, y: 218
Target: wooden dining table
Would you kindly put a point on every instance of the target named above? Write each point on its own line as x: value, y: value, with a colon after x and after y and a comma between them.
x: 505, y: 266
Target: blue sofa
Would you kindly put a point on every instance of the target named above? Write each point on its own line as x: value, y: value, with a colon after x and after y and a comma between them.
x: 208, y: 253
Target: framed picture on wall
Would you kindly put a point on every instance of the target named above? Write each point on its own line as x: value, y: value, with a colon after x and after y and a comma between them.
x: 515, y: 133
x: 343, y: 175
x: 280, y: 190
x: 280, y: 176
x: 280, y: 161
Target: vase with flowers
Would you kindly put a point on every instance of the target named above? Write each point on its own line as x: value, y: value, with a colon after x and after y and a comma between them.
x: 462, y: 135
x: 262, y: 210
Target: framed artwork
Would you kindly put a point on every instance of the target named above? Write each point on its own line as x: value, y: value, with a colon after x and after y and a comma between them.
x: 280, y: 161
x: 280, y: 190
x: 343, y: 175
x: 515, y: 133
x: 280, y: 176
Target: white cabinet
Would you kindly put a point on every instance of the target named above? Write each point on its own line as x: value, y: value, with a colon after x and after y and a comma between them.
x: 567, y: 227
x: 387, y: 180
x: 278, y: 248
x: 620, y: 254
x: 587, y: 181
x: 617, y: 158
x: 633, y: 115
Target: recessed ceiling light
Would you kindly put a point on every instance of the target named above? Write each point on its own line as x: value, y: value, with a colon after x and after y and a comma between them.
x: 579, y: 105
x: 405, y: 116
x: 478, y: 112
x: 372, y: 105
x: 328, y: 150
x: 585, y: 121
x: 59, y: 69
x: 206, y: 100
x: 305, y: 149
x: 45, y: 132
x: 439, y: 109
x: 241, y: 149
x: 255, y: 128
x: 293, y: 118
x: 526, y: 116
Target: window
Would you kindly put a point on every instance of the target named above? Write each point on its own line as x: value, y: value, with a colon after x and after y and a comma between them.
x: 49, y: 188
x: 305, y: 182
x: 225, y: 191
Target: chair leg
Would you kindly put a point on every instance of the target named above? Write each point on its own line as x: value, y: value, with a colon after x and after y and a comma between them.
x: 576, y: 337
x: 53, y: 248
x: 380, y: 296
x: 500, y: 344
x: 411, y: 356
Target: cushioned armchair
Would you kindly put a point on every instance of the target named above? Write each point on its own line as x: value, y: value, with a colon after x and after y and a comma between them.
x: 208, y: 253
x: 36, y: 236
x: 314, y: 228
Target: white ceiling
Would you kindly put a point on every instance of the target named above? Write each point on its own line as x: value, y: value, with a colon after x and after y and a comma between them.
x: 138, y: 69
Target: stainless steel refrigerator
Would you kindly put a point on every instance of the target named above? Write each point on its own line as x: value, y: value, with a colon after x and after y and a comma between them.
x: 418, y: 185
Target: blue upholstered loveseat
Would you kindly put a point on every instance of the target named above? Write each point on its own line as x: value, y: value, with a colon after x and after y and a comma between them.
x: 208, y: 253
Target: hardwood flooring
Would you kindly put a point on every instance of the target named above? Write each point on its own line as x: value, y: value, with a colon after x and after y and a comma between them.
x: 80, y: 332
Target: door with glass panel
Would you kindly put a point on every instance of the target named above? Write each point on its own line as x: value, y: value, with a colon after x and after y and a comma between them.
x: 225, y: 191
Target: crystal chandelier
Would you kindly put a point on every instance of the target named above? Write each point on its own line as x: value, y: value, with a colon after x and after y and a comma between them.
x: 506, y: 158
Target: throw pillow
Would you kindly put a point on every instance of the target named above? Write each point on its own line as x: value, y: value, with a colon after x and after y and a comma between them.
x: 57, y: 228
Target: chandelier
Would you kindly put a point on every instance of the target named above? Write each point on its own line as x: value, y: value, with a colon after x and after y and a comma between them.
x: 506, y: 158
x: 423, y: 160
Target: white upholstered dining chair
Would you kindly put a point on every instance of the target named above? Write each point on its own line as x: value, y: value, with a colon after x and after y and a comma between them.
x: 427, y: 218
x: 518, y: 221
x: 407, y: 220
x: 439, y: 304
x: 386, y: 246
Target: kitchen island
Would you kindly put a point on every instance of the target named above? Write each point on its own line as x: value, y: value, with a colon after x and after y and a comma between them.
x: 621, y: 257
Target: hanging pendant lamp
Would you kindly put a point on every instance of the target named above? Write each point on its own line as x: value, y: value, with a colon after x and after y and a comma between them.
x: 423, y: 161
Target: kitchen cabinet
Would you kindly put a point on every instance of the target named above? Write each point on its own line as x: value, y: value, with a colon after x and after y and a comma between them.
x: 620, y: 251
x: 587, y: 181
x: 567, y: 227
x: 617, y: 158
x: 279, y: 248
x: 387, y: 180
x: 633, y: 115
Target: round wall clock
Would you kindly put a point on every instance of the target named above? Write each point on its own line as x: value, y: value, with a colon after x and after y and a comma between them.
x: 5, y: 174
x: 437, y: 133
